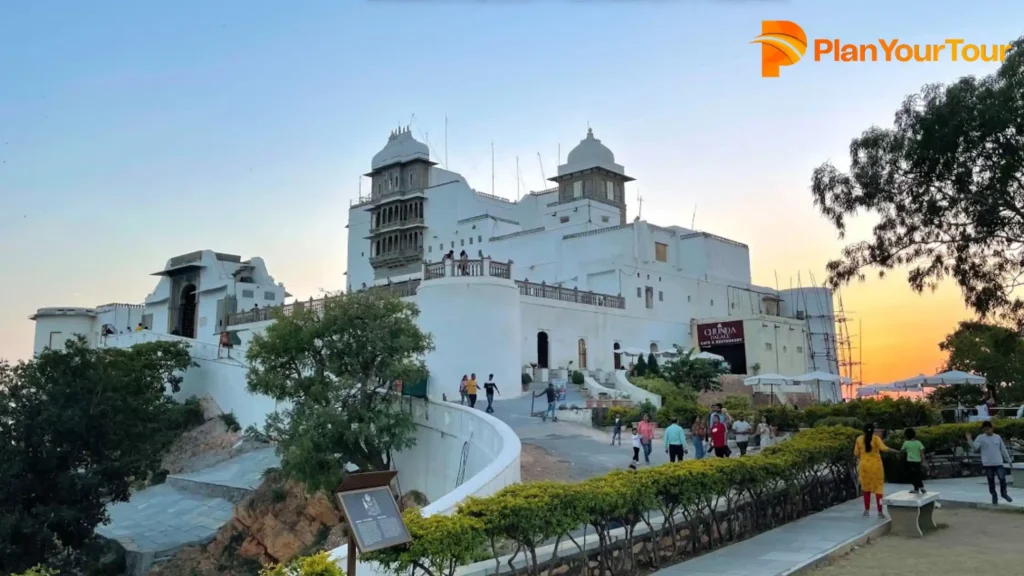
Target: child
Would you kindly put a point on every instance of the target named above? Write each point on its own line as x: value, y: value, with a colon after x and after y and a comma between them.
x: 617, y: 431
x: 637, y: 444
x: 915, y: 458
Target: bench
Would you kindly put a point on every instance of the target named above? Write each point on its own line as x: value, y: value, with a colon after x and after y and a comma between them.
x: 911, y: 514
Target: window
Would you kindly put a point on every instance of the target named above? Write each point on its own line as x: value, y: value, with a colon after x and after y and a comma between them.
x: 563, y: 219
x: 470, y: 240
x: 462, y: 242
x: 661, y: 252
x: 453, y: 243
x: 650, y: 296
x: 577, y: 189
x: 604, y: 219
x: 247, y: 293
x: 783, y: 348
x: 430, y: 248
x: 638, y: 292
x: 588, y: 187
x: 609, y: 188
x: 799, y: 349
x: 687, y: 297
x: 712, y: 302
x: 732, y: 305
x: 269, y: 296
x: 661, y: 296
x: 768, y: 346
x: 440, y: 247
x: 479, y: 239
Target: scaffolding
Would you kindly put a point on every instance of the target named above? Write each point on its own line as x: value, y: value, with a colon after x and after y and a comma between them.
x: 829, y: 342
x: 851, y: 365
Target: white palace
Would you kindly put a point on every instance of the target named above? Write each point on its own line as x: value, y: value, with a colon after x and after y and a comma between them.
x: 559, y: 279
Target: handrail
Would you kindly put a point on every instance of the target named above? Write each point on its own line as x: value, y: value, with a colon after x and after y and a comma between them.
x: 543, y: 290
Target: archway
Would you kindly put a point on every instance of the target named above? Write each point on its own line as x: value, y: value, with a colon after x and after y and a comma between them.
x: 187, y: 311
x: 618, y: 356
x: 542, y: 349
x: 654, y: 348
x: 582, y: 352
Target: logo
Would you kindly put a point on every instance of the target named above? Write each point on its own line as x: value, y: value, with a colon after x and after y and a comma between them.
x: 721, y: 333
x: 783, y: 43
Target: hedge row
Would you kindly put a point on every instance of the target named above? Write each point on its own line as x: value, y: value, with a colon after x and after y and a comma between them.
x: 885, y: 414
x: 944, y: 440
x: 810, y: 472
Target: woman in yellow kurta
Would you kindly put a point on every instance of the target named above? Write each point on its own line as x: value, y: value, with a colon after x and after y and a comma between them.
x: 868, y: 451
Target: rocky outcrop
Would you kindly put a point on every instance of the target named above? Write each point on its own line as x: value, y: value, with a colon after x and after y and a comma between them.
x: 275, y: 524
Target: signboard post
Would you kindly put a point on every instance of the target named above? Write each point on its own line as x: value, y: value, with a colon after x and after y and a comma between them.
x: 374, y: 520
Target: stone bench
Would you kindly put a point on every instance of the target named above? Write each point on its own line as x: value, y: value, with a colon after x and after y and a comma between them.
x: 911, y: 514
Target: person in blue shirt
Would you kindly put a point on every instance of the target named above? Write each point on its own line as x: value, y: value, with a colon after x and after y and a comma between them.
x: 675, y: 441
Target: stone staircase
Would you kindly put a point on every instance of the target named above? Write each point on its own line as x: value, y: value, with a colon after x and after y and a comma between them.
x: 187, y: 510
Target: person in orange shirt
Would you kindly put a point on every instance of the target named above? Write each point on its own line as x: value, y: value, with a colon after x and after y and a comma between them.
x: 471, y: 390
x: 646, y: 429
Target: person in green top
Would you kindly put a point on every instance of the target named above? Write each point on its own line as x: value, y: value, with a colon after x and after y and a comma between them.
x: 915, y: 456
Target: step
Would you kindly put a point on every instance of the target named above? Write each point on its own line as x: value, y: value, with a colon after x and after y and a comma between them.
x: 231, y: 480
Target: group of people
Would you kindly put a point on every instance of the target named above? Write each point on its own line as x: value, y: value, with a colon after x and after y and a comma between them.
x: 712, y: 434
x: 468, y: 389
x: 868, y: 449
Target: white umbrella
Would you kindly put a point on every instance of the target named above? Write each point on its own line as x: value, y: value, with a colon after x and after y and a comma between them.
x: 953, y: 378
x: 817, y: 377
x: 872, y: 390
x: 634, y: 352
x: 772, y: 380
x: 708, y: 356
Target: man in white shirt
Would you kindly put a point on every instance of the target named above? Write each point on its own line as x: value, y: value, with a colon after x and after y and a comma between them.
x: 742, y: 430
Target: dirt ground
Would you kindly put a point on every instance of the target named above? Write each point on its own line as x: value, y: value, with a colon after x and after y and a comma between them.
x: 539, y: 464
x: 968, y: 542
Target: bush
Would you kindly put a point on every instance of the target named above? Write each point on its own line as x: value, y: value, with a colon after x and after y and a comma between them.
x: 527, y: 379
x: 315, y: 565
x: 577, y: 377
x: 230, y: 421
x: 847, y: 421
x: 628, y: 414
x: 533, y: 514
x: 641, y: 367
x: 885, y: 414
x: 652, y: 365
x: 782, y: 417
x: 737, y: 404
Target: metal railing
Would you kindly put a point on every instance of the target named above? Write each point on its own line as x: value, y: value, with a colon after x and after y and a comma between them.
x: 399, y: 289
x: 395, y: 224
x: 467, y: 267
x: 574, y: 295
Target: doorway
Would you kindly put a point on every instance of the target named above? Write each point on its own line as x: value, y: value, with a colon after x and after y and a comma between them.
x: 618, y: 356
x: 542, y: 349
x: 582, y: 346
x: 187, y: 311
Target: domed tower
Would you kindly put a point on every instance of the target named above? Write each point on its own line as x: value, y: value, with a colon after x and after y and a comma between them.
x: 590, y: 172
x: 400, y: 172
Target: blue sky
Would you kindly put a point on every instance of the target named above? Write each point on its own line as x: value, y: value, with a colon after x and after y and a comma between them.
x: 132, y: 132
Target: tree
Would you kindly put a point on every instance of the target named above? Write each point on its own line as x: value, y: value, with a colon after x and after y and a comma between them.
x: 698, y: 374
x: 640, y: 369
x: 78, y: 426
x: 652, y: 365
x: 336, y: 369
x: 989, y: 350
x: 947, y: 184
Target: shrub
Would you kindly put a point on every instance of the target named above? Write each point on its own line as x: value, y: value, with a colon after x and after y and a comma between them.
x: 230, y: 421
x: 577, y: 377
x: 628, y: 414
x: 652, y: 364
x: 527, y: 379
x: 641, y: 367
x: 847, y: 421
x: 782, y: 417
x: 315, y: 565
x: 534, y: 514
x: 736, y: 404
x: 885, y: 414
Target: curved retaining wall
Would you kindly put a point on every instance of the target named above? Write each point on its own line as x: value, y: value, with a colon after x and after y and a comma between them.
x: 636, y: 394
x: 596, y: 389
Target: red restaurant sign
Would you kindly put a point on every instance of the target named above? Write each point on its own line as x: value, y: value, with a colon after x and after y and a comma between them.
x: 720, y: 334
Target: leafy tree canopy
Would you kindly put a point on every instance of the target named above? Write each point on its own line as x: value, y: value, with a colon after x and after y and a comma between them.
x: 992, y: 351
x: 696, y: 373
x: 76, y: 427
x: 947, y: 184
x: 335, y: 368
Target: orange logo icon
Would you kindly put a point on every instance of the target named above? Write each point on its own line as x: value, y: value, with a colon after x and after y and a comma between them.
x: 783, y: 43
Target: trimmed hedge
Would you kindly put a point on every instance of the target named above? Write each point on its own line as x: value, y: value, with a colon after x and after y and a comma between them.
x: 810, y: 472
x: 944, y: 440
x: 847, y: 421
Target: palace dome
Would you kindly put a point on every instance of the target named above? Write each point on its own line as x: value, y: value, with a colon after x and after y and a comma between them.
x: 401, y: 147
x: 590, y: 153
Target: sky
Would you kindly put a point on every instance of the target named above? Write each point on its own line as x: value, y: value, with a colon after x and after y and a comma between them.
x: 133, y: 132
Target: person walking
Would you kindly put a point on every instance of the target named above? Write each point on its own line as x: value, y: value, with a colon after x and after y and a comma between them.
x: 617, y: 430
x: 699, y: 432
x: 646, y: 428
x: 868, y: 450
x: 675, y: 441
x: 471, y: 389
x: 994, y: 459
x: 489, y: 389
x: 765, y: 434
x: 638, y: 444
x: 742, y: 430
x: 462, y: 389
x: 720, y: 438
x: 552, y: 397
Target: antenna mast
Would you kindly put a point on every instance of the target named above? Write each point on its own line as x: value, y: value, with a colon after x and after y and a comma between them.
x: 693, y: 221
x: 639, y: 204
x: 446, y: 140
x: 542, y: 175
x: 492, y: 168
x: 517, y: 178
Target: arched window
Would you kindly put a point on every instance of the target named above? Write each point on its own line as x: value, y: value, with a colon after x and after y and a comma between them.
x: 582, y: 350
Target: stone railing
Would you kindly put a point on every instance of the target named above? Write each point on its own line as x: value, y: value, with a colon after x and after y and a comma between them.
x: 399, y: 289
x: 542, y: 290
x: 467, y: 267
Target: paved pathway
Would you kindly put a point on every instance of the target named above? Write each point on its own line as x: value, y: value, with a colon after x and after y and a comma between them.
x: 806, y: 543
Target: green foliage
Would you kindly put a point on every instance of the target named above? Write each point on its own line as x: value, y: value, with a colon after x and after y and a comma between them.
x: 527, y: 379
x: 652, y: 365
x: 315, y: 565
x: 848, y: 421
x: 188, y: 414
x: 946, y: 184
x: 992, y: 351
x: 533, y: 514
x: 886, y: 413
x: 230, y: 421
x: 945, y: 439
x: 37, y: 571
x: 641, y: 367
x: 336, y: 368
x: 676, y: 402
x: 695, y: 373
x: 577, y: 377
x: 79, y: 426
x: 782, y: 417
x: 737, y: 404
